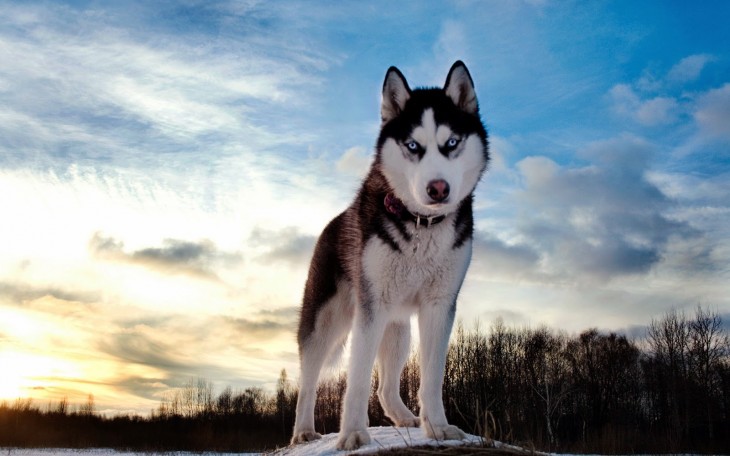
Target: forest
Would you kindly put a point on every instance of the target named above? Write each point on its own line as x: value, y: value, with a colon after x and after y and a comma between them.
x: 594, y: 392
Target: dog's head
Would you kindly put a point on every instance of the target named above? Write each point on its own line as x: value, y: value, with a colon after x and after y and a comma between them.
x: 432, y: 147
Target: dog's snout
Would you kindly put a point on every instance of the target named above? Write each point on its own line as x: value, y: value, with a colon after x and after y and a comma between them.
x: 438, y: 190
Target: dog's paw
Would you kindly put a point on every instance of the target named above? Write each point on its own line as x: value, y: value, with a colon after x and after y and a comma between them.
x: 352, y: 440
x: 445, y: 432
x: 304, y: 437
x: 408, y: 422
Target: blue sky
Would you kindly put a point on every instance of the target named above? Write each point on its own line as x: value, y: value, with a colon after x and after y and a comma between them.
x: 165, y: 168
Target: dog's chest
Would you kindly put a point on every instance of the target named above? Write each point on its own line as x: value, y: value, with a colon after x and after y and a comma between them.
x: 399, y: 278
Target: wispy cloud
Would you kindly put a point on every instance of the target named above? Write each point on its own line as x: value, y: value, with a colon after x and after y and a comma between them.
x: 175, y: 256
x: 654, y: 111
x: 713, y: 113
x: 95, y: 90
x: 287, y: 245
x: 689, y: 68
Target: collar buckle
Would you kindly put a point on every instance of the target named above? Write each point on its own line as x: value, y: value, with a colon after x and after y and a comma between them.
x: 424, y: 220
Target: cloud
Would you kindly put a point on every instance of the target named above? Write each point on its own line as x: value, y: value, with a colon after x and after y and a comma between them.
x: 689, y: 68
x: 283, y: 313
x: 159, y: 351
x: 510, y: 317
x: 599, y: 221
x: 626, y: 153
x: 287, y: 245
x: 146, y: 346
x: 135, y: 355
x: 639, y: 102
x: 90, y: 84
x: 657, y: 111
x: 651, y: 112
x: 451, y: 43
x: 266, y: 328
x: 713, y: 113
x: 176, y: 252
x: 18, y: 293
x: 355, y: 161
x: 494, y: 258
x: 702, y: 203
x: 174, y: 257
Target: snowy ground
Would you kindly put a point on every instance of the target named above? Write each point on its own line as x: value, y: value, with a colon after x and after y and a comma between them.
x: 382, y: 438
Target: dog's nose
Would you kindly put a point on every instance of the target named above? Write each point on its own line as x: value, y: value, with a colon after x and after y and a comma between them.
x: 438, y: 190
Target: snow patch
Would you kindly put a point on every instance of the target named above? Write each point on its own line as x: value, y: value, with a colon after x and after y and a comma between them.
x: 383, y: 438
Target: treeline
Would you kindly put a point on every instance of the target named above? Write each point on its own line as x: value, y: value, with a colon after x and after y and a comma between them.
x: 591, y: 393
x: 190, y: 419
x: 597, y: 393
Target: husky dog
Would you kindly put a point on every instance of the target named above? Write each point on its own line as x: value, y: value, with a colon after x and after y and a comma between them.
x: 402, y: 247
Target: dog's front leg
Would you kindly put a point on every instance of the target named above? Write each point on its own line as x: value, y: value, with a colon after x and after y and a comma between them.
x: 434, y: 325
x: 366, y: 335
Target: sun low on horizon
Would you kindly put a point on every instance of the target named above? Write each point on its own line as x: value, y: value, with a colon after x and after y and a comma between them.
x: 166, y: 169
x: 49, y: 365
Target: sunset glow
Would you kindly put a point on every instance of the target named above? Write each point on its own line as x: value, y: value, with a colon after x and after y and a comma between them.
x: 13, y: 382
x: 31, y: 374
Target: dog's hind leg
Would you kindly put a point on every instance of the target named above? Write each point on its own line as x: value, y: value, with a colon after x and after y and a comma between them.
x: 392, y: 356
x: 312, y: 357
x: 330, y: 332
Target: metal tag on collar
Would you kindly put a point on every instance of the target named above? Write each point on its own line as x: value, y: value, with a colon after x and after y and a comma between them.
x: 422, y: 218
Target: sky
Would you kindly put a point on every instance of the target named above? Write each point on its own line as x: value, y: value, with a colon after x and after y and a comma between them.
x: 166, y: 168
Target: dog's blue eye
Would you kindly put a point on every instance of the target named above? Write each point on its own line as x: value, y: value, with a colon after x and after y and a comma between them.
x: 452, y: 142
x: 413, y: 146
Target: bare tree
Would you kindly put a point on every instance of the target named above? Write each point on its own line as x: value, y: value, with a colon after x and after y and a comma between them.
x: 669, y: 339
x: 607, y: 383
x: 224, y: 402
x: 89, y: 408
x: 545, y: 364
x: 62, y: 408
x: 707, y: 347
x: 285, y: 401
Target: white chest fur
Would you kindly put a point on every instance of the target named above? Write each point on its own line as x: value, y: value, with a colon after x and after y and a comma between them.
x: 403, y: 281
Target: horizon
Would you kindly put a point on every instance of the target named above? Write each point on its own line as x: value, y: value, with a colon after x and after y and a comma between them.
x: 166, y: 168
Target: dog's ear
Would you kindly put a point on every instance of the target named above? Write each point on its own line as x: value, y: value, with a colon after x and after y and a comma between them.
x: 460, y: 88
x: 395, y: 94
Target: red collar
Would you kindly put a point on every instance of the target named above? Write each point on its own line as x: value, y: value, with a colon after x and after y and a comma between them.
x: 396, y: 207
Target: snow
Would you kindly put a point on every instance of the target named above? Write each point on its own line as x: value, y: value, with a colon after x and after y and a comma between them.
x: 382, y: 438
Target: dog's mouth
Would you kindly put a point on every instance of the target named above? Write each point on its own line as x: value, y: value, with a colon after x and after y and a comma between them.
x: 395, y: 206
x: 440, y: 204
x: 432, y: 205
x: 434, y: 209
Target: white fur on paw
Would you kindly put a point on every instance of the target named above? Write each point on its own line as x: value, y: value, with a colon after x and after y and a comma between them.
x: 445, y: 432
x: 408, y: 422
x: 303, y: 437
x: 352, y: 440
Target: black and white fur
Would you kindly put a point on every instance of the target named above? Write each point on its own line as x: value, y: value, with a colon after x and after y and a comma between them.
x: 377, y: 263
